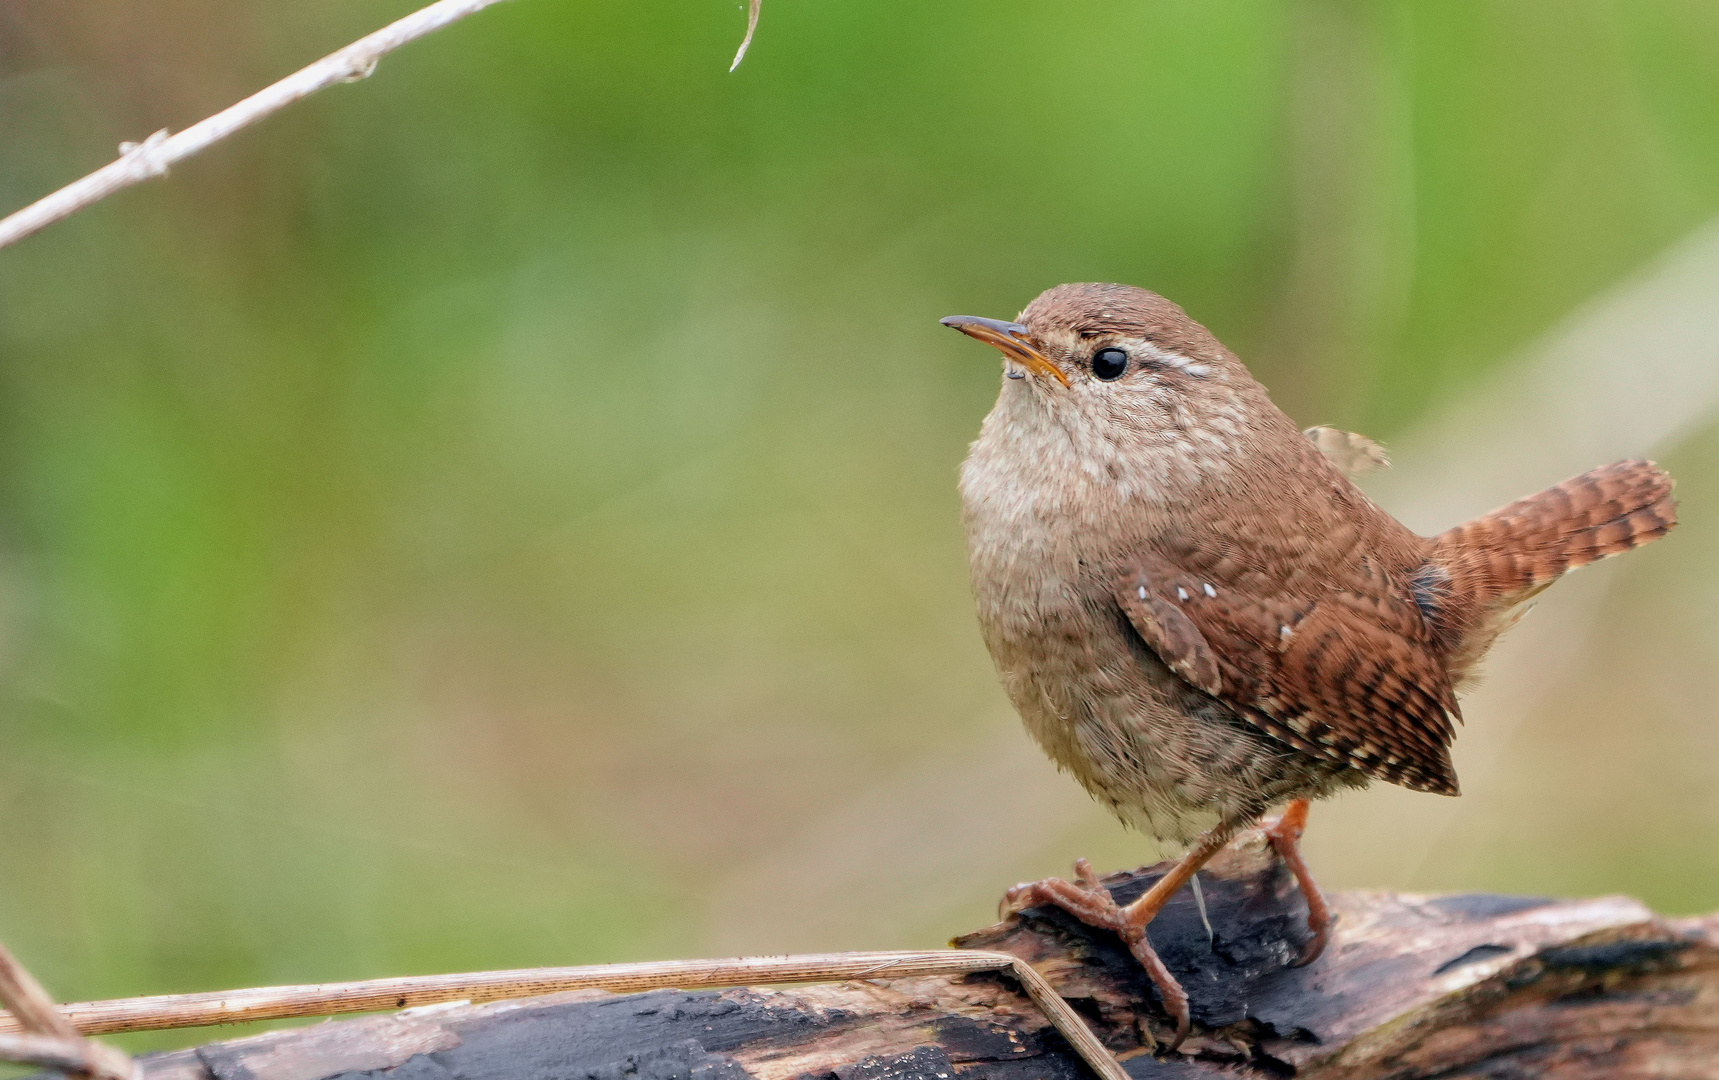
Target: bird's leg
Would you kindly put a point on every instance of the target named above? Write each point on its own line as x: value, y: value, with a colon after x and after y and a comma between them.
x: 1145, y: 909
x: 1089, y: 901
x: 1285, y: 836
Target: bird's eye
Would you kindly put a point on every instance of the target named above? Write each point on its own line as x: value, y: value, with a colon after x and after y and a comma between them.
x: 1109, y: 363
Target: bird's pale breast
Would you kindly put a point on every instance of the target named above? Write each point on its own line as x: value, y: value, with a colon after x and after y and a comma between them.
x: 1163, y: 756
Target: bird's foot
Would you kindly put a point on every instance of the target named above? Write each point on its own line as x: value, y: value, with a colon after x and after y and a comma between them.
x: 1088, y: 900
x: 1285, y: 836
x: 1084, y: 897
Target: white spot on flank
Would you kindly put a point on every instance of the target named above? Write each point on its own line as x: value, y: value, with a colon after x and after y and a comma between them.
x: 1284, y: 632
x: 1181, y: 594
x: 1211, y: 592
x: 1142, y: 592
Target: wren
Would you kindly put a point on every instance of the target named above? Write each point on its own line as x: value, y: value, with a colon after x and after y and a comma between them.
x: 1202, y: 618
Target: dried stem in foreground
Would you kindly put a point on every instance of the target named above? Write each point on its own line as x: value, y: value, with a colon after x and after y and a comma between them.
x: 43, y: 1036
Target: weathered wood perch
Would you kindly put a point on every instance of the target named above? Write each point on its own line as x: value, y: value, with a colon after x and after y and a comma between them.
x: 1412, y: 987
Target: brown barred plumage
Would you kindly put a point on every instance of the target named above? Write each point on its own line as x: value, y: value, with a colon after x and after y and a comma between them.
x: 1246, y: 561
x: 1365, y: 673
x: 1486, y: 570
x: 1197, y: 612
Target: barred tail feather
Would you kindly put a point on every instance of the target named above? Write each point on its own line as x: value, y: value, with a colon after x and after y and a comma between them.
x: 1489, y: 566
x: 1533, y: 541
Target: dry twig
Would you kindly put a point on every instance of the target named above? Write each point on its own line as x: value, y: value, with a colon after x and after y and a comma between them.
x: 152, y: 157
x: 43, y: 1036
x: 155, y: 155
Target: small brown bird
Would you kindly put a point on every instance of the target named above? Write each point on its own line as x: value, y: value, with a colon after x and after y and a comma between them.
x: 1200, y: 616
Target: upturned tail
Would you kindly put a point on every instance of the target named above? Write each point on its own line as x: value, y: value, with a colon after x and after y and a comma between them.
x: 1483, y: 571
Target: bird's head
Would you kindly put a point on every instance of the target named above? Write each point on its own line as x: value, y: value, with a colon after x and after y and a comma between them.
x: 1111, y: 351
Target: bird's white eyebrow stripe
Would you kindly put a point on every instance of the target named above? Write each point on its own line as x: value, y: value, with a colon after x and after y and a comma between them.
x: 1176, y: 360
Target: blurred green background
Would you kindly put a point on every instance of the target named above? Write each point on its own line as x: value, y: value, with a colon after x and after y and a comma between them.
x: 502, y: 513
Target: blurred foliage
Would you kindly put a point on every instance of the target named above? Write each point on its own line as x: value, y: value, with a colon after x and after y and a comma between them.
x: 459, y: 522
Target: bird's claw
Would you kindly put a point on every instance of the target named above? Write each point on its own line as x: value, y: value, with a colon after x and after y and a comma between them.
x: 1321, y: 937
x: 1088, y: 900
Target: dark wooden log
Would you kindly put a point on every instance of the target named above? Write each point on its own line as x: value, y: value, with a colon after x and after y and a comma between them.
x: 1467, y: 986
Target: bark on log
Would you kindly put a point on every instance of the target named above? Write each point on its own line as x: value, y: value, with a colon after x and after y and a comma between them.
x: 1467, y: 986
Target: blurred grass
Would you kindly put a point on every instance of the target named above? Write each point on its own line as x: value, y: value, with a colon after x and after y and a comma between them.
x: 459, y: 522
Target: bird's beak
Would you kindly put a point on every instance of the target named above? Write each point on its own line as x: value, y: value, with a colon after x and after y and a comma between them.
x: 1012, y: 338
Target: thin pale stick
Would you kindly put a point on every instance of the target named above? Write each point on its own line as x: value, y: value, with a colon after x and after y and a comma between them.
x: 25, y: 999
x: 1200, y: 902
x: 75, y: 1056
x: 374, y: 995
x: 44, y: 1036
x: 151, y: 158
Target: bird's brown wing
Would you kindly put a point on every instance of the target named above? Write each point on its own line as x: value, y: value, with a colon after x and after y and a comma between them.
x: 1350, y: 674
